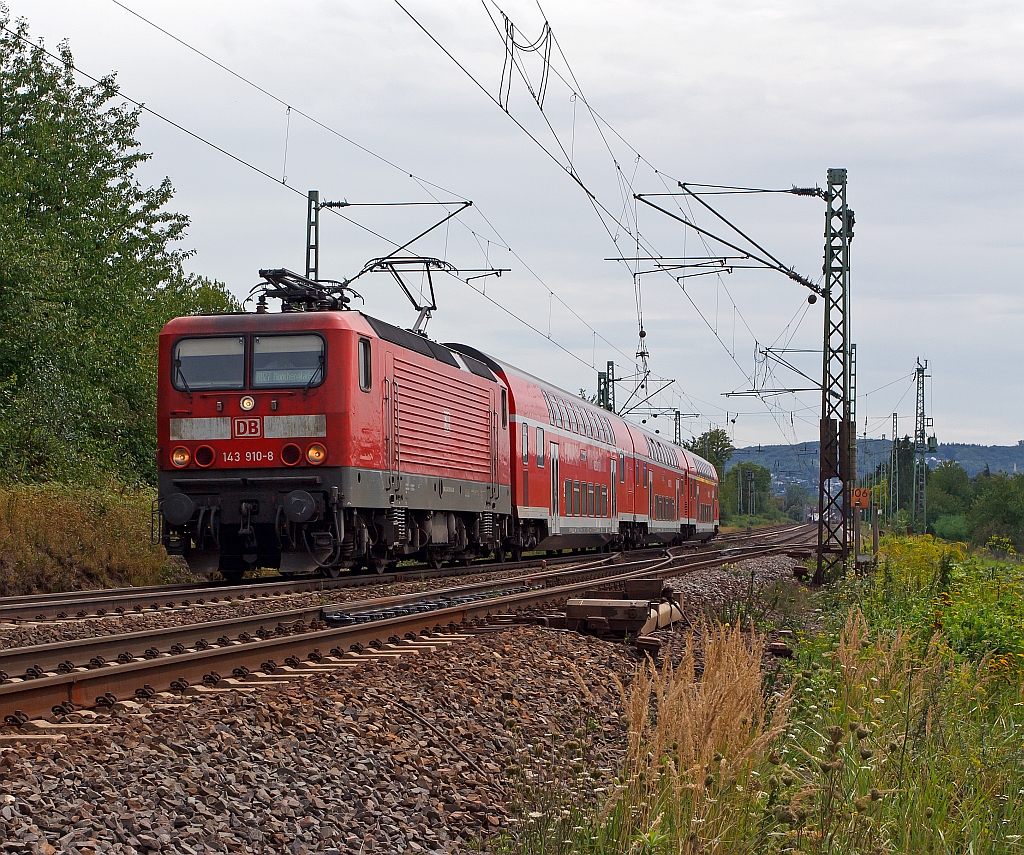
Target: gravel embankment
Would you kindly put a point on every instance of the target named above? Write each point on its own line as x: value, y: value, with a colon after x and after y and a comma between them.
x: 335, y: 761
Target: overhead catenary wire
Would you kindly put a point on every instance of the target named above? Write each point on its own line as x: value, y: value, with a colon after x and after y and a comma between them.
x: 265, y: 174
x: 422, y: 182
x: 623, y: 178
x: 198, y: 137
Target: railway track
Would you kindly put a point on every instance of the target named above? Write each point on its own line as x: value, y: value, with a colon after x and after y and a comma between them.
x: 99, y: 603
x: 53, y: 683
x: 83, y: 604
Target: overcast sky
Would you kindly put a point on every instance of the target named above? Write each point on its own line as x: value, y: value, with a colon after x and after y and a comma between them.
x: 923, y: 103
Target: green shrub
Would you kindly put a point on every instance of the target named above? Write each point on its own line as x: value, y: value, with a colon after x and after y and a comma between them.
x: 951, y: 527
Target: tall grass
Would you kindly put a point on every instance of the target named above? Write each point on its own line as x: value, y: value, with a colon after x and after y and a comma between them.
x: 900, y: 730
x: 56, y: 538
x: 697, y: 750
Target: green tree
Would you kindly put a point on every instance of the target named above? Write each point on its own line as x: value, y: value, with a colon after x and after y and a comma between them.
x: 795, y: 500
x: 89, y: 272
x: 714, y: 446
x: 949, y: 490
x: 998, y: 509
x: 735, y: 492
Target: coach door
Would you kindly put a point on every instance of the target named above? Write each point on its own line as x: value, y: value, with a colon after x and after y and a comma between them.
x: 495, y: 485
x: 553, y: 454
x: 613, y: 489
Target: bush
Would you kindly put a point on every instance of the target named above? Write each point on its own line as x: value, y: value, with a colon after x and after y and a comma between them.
x: 56, y: 538
x: 951, y: 527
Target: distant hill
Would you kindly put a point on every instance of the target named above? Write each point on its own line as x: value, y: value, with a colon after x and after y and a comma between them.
x: 798, y: 463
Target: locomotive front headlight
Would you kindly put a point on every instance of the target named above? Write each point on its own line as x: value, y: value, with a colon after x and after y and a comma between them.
x: 247, y: 402
x: 316, y: 454
x: 180, y: 457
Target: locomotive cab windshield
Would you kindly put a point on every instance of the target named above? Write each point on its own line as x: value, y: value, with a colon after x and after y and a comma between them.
x: 217, y: 362
x: 287, y: 360
x: 278, y: 362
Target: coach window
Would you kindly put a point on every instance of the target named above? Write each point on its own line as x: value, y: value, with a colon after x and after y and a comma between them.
x: 526, y: 444
x: 551, y: 410
x: 622, y: 468
x: 568, y: 497
x: 645, y: 475
x: 575, y: 498
x: 540, y: 447
x: 209, y: 363
x: 504, y: 408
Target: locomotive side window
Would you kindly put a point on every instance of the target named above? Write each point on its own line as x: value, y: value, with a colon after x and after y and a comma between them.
x: 365, y: 366
x: 540, y: 447
x: 287, y: 360
x: 209, y: 363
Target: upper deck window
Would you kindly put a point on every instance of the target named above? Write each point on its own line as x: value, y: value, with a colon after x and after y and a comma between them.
x: 287, y: 360
x: 209, y: 363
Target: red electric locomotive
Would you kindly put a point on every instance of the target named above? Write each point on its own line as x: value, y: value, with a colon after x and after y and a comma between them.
x: 319, y: 439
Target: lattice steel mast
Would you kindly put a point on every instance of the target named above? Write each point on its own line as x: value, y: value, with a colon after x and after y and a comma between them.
x: 894, y: 470
x: 838, y: 434
x: 920, y: 447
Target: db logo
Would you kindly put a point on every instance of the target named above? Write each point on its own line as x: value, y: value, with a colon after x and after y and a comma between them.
x: 247, y: 428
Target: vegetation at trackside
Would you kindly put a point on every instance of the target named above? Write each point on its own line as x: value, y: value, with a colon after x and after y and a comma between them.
x: 53, y: 538
x: 897, y: 727
x: 975, y: 509
x: 90, y: 269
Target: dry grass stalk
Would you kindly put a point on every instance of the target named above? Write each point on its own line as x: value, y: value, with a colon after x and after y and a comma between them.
x: 693, y: 749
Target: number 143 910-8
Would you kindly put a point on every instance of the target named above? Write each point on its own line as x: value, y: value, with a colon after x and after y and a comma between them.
x: 248, y: 456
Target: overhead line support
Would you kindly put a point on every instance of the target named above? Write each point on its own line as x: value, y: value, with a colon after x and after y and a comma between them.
x: 837, y: 450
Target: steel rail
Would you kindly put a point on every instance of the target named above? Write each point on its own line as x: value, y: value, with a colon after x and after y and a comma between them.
x: 56, y: 606
x: 32, y: 698
x: 34, y: 661
x: 43, y: 607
